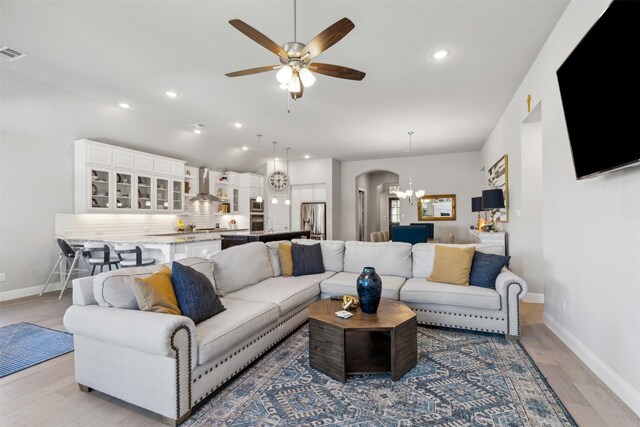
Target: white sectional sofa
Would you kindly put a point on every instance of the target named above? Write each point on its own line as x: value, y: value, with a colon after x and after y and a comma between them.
x: 167, y: 364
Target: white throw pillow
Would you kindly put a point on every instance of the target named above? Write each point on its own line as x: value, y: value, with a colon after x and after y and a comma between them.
x: 241, y: 266
x: 332, y: 252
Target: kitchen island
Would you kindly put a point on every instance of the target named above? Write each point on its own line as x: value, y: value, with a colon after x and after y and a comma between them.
x: 165, y: 247
x: 242, y: 237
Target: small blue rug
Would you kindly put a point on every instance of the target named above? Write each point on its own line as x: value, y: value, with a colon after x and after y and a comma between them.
x: 462, y: 379
x: 23, y: 345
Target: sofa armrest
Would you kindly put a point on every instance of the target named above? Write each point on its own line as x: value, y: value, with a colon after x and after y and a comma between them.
x: 507, y: 278
x: 145, y: 331
x: 512, y: 288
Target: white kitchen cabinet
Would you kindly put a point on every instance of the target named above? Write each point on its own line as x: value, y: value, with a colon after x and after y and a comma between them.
x: 306, y: 193
x: 99, y: 189
x: 143, y: 192
x: 115, y: 179
x: 144, y: 163
x: 161, y: 167
x: 279, y: 214
x: 123, y: 160
x: 177, y: 169
x: 97, y: 155
x: 319, y: 192
x: 123, y: 190
x: 162, y: 194
x: 177, y: 192
x: 204, y: 249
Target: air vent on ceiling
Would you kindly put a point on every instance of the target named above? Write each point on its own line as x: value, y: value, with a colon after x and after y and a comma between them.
x: 11, y: 54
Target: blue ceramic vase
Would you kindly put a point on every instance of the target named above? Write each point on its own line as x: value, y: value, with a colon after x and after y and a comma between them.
x: 369, y: 290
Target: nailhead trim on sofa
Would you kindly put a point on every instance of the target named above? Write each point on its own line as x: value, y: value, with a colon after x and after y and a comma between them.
x: 177, y: 350
x: 517, y: 305
x: 236, y: 352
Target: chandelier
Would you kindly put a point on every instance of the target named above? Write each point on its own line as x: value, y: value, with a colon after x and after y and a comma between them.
x: 408, y: 194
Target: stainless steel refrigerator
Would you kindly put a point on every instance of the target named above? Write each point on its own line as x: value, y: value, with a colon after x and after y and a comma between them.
x: 313, y: 217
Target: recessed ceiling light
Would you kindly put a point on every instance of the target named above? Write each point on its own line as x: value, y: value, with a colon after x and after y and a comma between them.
x: 124, y: 105
x: 171, y: 94
x: 306, y: 156
x: 277, y: 158
x: 238, y: 125
x: 440, y: 54
x: 245, y: 148
x: 196, y: 128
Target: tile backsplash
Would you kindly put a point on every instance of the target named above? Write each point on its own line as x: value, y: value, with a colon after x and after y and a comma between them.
x: 85, y: 225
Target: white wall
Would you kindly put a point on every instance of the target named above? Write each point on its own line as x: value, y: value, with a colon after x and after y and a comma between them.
x: 591, y: 254
x: 457, y: 174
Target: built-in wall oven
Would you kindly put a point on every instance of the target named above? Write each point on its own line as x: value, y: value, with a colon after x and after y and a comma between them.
x: 255, y: 206
x: 256, y: 222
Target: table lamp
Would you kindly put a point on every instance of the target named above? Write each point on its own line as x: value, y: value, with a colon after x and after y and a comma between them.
x: 476, y: 206
x: 491, y: 200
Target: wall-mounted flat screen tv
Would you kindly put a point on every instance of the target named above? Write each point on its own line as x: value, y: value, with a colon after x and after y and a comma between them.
x: 600, y: 90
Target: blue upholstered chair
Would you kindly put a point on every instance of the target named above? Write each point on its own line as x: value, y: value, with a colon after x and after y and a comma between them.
x: 411, y: 233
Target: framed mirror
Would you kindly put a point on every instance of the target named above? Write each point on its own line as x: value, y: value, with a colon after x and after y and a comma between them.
x: 437, y: 207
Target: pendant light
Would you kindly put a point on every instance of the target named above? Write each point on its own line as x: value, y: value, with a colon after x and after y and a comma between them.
x: 274, y: 201
x: 408, y: 194
x: 288, y: 201
x: 259, y: 198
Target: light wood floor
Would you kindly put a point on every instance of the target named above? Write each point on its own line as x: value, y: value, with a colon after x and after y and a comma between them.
x: 47, y: 395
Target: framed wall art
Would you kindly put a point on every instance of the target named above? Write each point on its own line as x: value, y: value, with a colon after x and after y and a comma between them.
x: 499, y: 178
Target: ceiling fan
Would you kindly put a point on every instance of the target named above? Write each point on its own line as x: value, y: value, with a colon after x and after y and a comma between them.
x: 296, y: 71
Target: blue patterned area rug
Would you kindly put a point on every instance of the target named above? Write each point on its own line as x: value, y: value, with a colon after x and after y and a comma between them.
x: 461, y: 379
x: 23, y: 345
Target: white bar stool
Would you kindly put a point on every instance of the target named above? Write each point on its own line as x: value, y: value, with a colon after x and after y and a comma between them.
x: 132, y: 262
x: 102, y: 261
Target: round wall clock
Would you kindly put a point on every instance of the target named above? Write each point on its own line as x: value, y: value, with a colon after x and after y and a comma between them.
x: 278, y: 180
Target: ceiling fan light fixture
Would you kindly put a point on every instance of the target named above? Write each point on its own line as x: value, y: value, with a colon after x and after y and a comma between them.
x: 284, y: 75
x: 294, y: 85
x: 306, y: 77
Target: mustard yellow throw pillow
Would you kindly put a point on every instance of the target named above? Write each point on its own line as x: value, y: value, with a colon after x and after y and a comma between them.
x: 452, y: 265
x: 286, y: 260
x: 155, y: 293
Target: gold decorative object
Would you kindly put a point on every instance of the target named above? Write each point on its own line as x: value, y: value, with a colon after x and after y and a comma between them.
x: 529, y: 103
x: 349, y: 302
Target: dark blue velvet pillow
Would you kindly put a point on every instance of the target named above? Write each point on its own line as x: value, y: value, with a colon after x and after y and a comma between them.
x: 307, y: 259
x: 485, y: 269
x: 195, y: 294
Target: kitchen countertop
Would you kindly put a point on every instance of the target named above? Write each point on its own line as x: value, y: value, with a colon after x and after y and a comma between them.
x: 176, y: 238
x: 259, y: 233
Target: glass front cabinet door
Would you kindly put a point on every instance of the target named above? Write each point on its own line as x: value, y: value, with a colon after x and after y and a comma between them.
x: 100, y: 189
x: 162, y: 194
x: 177, y: 195
x: 124, y: 193
x: 143, y: 192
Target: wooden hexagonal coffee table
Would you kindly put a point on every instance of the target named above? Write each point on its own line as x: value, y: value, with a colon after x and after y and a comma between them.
x: 384, y: 342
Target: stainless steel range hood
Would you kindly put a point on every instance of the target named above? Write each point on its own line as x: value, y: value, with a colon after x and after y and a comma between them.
x: 204, y: 195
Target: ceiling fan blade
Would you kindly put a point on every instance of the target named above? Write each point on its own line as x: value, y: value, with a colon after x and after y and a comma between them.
x: 337, y: 71
x: 327, y: 38
x: 256, y: 70
x: 258, y: 37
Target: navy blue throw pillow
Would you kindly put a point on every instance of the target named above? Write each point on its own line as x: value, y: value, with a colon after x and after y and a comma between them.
x: 485, y: 269
x: 307, y: 259
x: 195, y: 294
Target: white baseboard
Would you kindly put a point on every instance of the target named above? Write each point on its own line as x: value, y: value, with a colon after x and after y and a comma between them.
x: 615, y: 382
x: 537, y: 298
x: 27, y: 292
